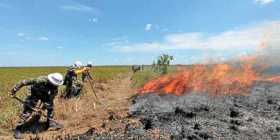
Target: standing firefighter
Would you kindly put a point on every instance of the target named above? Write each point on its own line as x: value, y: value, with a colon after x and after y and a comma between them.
x: 44, y: 89
x: 73, y: 85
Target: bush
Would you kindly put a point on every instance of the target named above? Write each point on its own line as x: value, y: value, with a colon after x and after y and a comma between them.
x: 162, y: 63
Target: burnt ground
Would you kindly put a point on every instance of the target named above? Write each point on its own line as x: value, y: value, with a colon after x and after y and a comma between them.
x: 198, y: 116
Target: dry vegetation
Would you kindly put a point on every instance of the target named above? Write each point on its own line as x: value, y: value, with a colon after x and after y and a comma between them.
x: 79, y: 107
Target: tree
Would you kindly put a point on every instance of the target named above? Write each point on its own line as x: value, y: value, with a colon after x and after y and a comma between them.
x: 162, y: 63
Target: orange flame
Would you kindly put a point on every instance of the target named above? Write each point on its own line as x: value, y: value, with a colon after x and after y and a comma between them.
x: 220, y: 79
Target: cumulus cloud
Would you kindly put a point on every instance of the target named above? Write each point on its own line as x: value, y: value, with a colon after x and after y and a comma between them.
x: 148, y: 27
x: 244, y: 38
x: 43, y: 38
x: 263, y: 2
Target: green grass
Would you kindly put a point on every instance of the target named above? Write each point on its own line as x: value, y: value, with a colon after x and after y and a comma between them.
x: 10, y: 76
x: 142, y: 77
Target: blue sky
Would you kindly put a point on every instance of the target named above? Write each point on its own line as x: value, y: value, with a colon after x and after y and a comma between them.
x: 110, y: 32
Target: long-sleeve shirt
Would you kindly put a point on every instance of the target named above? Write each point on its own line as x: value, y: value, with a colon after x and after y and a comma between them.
x: 41, y: 88
x: 72, y: 75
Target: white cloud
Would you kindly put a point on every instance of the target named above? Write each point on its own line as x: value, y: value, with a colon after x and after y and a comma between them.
x: 20, y: 34
x: 23, y: 37
x: 93, y: 20
x: 76, y: 8
x: 239, y: 39
x: 263, y: 2
x: 148, y: 27
x: 80, y: 8
x: 43, y: 38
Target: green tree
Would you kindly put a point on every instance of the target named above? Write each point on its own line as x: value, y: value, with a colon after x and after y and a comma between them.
x: 162, y: 63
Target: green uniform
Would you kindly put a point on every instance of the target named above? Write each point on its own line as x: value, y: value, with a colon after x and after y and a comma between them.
x: 41, y: 89
x: 73, y: 85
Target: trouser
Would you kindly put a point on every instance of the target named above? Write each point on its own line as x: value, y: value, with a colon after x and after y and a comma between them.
x: 32, y: 101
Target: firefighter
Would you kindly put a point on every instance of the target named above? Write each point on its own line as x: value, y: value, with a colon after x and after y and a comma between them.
x: 86, y: 73
x: 71, y: 81
x: 44, y: 89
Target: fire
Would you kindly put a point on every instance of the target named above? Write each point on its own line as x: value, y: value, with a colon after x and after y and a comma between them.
x: 220, y: 79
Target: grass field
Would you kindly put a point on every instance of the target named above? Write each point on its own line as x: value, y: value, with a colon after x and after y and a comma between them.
x: 142, y: 77
x: 10, y: 76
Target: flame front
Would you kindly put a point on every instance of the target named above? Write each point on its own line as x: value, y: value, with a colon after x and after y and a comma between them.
x: 220, y: 79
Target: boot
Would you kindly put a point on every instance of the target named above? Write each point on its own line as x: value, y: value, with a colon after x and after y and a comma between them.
x: 17, y: 134
x: 53, y: 126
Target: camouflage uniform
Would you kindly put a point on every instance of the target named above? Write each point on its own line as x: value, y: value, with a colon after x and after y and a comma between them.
x: 41, y: 89
x: 73, y: 85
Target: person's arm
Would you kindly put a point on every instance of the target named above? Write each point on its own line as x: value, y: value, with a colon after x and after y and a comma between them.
x: 81, y: 70
x: 21, y: 84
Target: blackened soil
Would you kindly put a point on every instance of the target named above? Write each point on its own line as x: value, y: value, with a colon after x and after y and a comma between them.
x: 198, y: 116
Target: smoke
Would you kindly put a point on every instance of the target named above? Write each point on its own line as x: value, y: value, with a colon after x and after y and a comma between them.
x: 269, y: 49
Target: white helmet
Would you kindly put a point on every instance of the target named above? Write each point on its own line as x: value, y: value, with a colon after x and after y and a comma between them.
x: 56, y: 79
x: 78, y: 64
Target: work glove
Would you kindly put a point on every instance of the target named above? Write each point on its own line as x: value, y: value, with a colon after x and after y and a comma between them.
x: 13, y: 92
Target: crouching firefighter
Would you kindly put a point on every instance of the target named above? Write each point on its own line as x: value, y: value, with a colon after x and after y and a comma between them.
x: 73, y: 85
x: 43, y: 89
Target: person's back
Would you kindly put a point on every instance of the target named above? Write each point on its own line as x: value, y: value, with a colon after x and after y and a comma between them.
x: 42, y: 89
x: 70, y: 76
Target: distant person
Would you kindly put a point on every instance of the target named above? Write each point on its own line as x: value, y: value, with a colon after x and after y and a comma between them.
x: 86, y: 74
x: 44, y: 89
x: 136, y: 68
x: 73, y: 85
